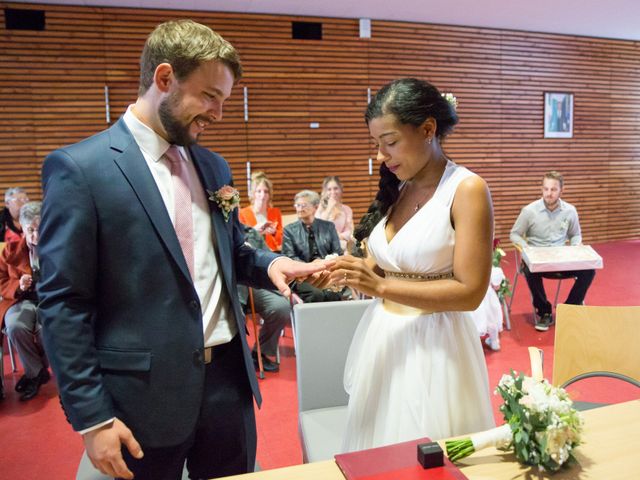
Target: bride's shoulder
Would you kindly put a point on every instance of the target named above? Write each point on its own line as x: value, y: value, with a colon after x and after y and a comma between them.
x: 471, y: 185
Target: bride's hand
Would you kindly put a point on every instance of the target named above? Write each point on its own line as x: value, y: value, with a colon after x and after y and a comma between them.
x: 356, y: 273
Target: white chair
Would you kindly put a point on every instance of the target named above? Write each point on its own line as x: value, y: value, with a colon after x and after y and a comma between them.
x: 323, y: 336
x: 86, y: 471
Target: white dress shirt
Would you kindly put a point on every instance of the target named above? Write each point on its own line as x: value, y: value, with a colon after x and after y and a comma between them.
x: 218, y: 324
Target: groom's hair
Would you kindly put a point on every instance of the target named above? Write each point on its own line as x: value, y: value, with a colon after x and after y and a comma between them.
x: 184, y: 44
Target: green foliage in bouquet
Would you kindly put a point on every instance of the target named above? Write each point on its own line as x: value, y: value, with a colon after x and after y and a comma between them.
x: 541, y: 425
x: 545, y: 426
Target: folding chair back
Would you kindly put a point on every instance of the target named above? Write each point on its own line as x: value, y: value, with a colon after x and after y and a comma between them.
x: 323, y: 336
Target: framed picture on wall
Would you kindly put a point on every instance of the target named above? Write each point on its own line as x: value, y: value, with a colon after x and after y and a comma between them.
x: 558, y: 115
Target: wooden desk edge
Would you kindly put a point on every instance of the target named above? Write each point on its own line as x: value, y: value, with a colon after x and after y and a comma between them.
x: 600, y: 438
x: 325, y: 470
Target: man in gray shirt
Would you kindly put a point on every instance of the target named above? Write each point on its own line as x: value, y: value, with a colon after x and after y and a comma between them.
x: 550, y: 222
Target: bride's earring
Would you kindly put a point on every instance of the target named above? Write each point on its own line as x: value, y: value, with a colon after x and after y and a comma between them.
x: 429, y: 140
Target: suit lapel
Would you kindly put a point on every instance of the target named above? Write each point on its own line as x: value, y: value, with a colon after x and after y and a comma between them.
x: 134, y: 167
x: 210, y: 178
x: 306, y: 251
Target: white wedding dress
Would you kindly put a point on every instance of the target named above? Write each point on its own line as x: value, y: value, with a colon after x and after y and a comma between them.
x: 413, y: 375
x: 488, y: 317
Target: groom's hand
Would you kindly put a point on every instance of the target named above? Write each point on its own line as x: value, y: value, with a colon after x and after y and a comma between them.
x: 104, y: 445
x: 284, y: 270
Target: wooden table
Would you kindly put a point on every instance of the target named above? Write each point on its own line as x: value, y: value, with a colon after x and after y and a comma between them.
x: 561, y: 259
x: 609, y: 452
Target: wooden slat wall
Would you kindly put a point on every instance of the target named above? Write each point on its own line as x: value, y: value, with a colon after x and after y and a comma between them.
x: 52, y: 93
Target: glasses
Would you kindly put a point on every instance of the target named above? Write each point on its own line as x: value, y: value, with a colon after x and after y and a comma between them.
x: 301, y: 206
x: 21, y: 199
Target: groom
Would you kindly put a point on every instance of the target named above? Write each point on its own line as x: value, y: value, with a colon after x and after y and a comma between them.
x: 141, y: 252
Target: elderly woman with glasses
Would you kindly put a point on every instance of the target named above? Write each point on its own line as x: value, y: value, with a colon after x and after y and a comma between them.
x: 310, y: 239
x: 10, y: 229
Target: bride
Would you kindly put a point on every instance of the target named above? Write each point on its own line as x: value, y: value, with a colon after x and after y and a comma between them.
x: 415, y: 367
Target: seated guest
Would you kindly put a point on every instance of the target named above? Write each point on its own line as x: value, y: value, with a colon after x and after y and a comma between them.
x: 18, y: 276
x: 271, y: 305
x: 488, y: 315
x: 14, y: 199
x: 550, y: 222
x: 331, y: 208
x: 261, y: 215
x: 310, y: 239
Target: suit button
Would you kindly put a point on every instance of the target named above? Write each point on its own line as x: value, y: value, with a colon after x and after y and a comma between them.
x: 194, y: 304
x: 197, y: 357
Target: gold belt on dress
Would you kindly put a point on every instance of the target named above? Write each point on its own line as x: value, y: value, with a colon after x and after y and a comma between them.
x: 401, y: 309
x: 418, y: 277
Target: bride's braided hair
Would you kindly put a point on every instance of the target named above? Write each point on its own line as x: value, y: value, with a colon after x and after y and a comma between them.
x: 412, y: 101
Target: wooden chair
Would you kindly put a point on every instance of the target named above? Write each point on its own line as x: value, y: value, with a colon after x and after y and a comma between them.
x: 255, y: 320
x: 596, y: 342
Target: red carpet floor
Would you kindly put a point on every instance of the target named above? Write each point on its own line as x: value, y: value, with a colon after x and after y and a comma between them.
x: 38, y: 443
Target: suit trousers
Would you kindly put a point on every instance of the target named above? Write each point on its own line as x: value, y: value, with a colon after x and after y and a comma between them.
x: 275, y: 310
x: 224, y: 439
x: 25, y: 332
x: 576, y: 295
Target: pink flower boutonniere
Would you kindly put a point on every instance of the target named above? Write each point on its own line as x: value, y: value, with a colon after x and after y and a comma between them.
x: 227, y: 198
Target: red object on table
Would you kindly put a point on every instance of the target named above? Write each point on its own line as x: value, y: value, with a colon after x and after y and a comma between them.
x: 393, y: 462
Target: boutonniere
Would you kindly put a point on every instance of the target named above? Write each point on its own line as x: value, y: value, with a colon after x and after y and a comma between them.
x: 227, y: 199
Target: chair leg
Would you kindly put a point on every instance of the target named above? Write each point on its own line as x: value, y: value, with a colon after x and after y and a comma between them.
x: 555, y: 302
x: 505, y: 311
x: 513, y: 289
x: 278, y: 348
x: 293, y: 327
x: 12, y: 355
x: 254, y: 319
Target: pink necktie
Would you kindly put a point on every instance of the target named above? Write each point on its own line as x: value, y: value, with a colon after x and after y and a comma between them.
x: 183, y: 222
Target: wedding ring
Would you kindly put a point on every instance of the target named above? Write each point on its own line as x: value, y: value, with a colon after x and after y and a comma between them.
x: 345, y: 277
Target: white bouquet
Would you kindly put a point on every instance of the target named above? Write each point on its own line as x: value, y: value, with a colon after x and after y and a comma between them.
x: 541, y: 425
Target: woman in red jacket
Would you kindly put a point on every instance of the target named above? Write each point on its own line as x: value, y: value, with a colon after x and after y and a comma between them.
x: 267, y: 220
x: 19, y: 267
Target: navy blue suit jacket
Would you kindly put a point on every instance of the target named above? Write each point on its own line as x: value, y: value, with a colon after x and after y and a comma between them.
x: 122, y: 322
